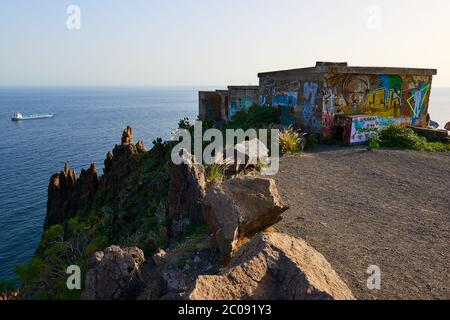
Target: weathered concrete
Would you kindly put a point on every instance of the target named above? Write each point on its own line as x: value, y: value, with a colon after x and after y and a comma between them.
x: 312, y: 98
x: 222, y: 105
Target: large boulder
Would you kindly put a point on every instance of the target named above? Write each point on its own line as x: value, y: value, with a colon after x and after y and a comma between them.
x: 274, y: 266
x: 186, y: 191
x: 239, y: 208
x: 114, y: 274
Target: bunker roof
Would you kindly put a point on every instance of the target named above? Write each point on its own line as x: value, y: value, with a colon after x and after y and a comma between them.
x: 243, y: 87
x: 343, y: 67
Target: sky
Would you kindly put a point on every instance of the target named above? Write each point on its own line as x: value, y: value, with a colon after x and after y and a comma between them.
x: 213, y: 42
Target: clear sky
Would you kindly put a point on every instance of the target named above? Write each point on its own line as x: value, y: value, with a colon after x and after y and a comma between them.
x: 214, y: 42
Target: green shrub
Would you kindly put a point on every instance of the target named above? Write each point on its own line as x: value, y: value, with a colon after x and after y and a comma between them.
x: 54, y: 233
x: 184, y: 124
x: 374, y: 143
x: 96, y: 244
x: 398, y: 137
x: 6, y: 286
x: 311, y: 141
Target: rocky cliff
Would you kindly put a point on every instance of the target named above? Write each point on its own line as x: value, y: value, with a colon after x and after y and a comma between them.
x: 70, y: 196
x: 149, y: 229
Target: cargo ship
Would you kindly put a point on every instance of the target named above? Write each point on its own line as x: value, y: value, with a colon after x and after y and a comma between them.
x: 20, y: 117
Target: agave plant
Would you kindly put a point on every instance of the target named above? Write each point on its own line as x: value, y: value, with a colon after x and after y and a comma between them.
x: 291, y: 142
x: 217, y: 172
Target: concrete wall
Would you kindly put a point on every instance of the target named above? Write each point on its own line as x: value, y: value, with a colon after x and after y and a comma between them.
x: 311, y: 100
x: 242, y: 98
x: 223, y: 104
x: 210, y: 105
x: 298, y: 95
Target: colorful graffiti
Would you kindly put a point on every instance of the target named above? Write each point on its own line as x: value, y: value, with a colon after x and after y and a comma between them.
x: 314, y: 105
x: 287, y: 102
x: 312, y: 118
x: 330, y: 103
x: 365, y: 127
x: 234, y: 108
x: 354, y: 92
x: 288, y: 99
x: 378, y: 95
x: 417, y: 103
x: 386, y: 99
x: 239, y: 104
x: 245, y: 103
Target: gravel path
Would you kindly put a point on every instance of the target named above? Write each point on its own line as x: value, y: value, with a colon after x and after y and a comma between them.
x: 386, y: 208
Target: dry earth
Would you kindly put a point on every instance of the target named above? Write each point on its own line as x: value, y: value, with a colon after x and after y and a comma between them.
x: 386, y: 208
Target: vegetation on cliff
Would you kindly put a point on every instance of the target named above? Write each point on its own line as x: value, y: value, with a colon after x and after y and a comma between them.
x: 398, y: 137
x: 132, y: 216
x: 126, y: 206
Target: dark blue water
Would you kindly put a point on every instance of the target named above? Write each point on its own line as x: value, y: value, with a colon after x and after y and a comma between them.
x: 88, y: 123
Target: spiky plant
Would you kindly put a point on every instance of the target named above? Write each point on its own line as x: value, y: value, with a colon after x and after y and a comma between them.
x: 216, y: 172
x: 290, y: 141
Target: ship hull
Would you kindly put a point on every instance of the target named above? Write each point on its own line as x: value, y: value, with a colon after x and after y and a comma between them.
x: 37, y: 117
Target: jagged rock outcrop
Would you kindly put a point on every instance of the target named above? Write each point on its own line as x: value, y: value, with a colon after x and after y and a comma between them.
x: 67, y: 194
x: 119, y: 164
x: 274, y: 266
x: 239, y: 208
x: 114, y: 274
x: 186, y: 190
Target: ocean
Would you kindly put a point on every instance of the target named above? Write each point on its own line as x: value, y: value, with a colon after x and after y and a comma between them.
x: 88, y: 123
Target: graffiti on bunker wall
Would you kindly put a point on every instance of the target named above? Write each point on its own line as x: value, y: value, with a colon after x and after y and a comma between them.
x: 239, y: 104
x: 387, y: 98
x: 312, y: 117
x: 234, y: 108
x: 287, y: 102
x: 378, y: 95
x: 365, y: 127
x: 245, y: 103
x: 417, y: 102
x: 314, y: 105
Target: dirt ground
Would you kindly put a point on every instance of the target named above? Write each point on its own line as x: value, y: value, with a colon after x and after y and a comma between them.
x: 386, y: 208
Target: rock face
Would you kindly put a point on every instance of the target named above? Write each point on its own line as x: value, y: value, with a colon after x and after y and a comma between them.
x: 119, y: 164
x: 186, y: 191
x: 274, y: 266
x: 114, y: 274
x: 239, y: 208
x: 176, y: 269
x: 69, y: 196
